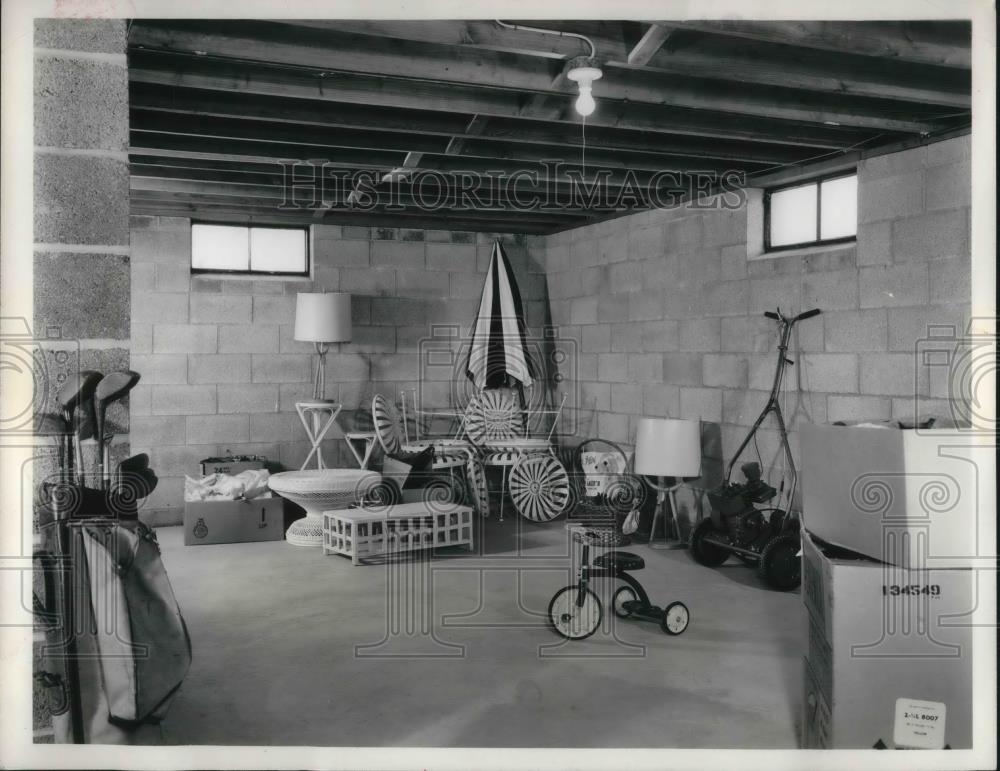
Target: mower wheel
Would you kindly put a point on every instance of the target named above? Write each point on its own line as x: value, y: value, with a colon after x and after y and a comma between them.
x: 705, y: 553
x: 780, y: 565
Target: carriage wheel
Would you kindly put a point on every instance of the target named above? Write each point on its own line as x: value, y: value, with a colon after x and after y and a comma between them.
x: 539, y: 487
x: 479, y: 492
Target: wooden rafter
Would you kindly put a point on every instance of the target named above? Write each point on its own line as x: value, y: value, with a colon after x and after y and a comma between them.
x: 941, y: 43
x: 399, y: 93
x: 220, y: 109
x: 486, y: 71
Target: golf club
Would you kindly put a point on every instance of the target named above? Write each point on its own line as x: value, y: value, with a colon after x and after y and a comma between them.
x: 52, y: 424
x: 134, y: 473
x: 77, y: 391
x: 111, y: 388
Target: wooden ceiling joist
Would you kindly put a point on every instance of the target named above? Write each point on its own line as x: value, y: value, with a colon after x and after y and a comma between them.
x: 222, y: 109
x: 804, y: 65
x: 366, y: 91
x: 428, y: 67
x: 942, y: 43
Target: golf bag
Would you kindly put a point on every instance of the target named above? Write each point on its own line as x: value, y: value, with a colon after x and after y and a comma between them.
x: 117, y: 648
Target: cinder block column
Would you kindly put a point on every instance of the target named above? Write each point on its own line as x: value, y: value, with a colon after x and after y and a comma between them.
x: 81, y: 238
x: 81, y: 200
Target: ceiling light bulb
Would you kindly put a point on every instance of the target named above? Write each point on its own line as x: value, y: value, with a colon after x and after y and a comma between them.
x: 583, y: 72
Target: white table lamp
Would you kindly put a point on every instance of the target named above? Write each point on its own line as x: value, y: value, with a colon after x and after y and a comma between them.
x: 665, y: 447
x: 322, y: 318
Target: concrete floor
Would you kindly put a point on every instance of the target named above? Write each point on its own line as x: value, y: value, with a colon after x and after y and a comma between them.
x: 275, y: 631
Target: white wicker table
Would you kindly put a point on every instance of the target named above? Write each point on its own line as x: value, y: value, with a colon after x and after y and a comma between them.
x: 316, y: 490
x: 363, y: 533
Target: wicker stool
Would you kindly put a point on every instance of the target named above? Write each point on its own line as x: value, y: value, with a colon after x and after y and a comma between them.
x: 317, y: 491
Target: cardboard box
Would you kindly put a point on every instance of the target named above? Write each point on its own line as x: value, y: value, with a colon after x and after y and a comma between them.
x: 881, y: 640
x: 910, y: 498
x: 221, y: 521
x: 229, y: 466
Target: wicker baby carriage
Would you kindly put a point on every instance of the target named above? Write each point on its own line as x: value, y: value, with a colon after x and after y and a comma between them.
x: 604, y: 492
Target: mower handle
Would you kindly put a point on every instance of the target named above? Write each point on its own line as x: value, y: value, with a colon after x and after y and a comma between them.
x: 804, y: 315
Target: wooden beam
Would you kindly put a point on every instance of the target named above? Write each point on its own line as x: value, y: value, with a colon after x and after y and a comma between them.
x: 479, y: 149
x: 277, y: 196
x: 610, y: 167
x: 475, y: 127
x: 821, y: 72
x: 941, y: 43
x: 544, y: 104
x: 153, y: 101
x: 651, y: 41
x: 772, y: 66
x: 248, y: 215
x: 492, y: 72
x: 282, y: 133
x: 273, y: 175
x: 167, y: 204
x: 398, y: 93
x: 486, y: 35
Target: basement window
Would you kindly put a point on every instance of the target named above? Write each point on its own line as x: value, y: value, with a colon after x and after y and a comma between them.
x: 263, y: 250
x: 818, y: 212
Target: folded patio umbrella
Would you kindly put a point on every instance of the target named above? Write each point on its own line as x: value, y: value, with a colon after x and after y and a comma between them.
x: 498, y: 351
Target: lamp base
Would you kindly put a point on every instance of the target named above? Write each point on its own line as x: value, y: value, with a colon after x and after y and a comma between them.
x: 668, y: 543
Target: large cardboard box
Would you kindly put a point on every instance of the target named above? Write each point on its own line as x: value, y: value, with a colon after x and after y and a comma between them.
x: 908, y: 497
x: 886, y: 644
x: 221, y: 521
x: 229, y: 466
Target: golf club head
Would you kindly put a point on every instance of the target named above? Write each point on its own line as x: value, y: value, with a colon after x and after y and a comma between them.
x: 134, y: 464
x: 135, y: 485
x: 115, y: 385
x: 77, y: 390
x: 111, y: 388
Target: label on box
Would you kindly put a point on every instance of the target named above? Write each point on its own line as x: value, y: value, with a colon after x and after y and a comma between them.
x: 919, y: 724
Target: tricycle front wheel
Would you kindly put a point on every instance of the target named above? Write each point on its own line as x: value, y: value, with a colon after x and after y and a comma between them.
x: 573, y: 620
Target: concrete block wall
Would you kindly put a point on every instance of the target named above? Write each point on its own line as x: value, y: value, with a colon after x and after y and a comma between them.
x: 81, y: 243
x: 222, y: 372
x: 81, y: 257
x: 668, y: 310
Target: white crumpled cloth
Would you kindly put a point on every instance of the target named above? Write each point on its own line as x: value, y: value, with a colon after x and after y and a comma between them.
x: 247, y: 484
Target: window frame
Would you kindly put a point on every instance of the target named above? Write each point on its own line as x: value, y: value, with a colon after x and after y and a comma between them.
x: 305, y: 229
x: 818, y: 181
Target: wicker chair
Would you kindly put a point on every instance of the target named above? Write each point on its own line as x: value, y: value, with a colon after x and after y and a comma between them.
x: 390, y: 433
x: 535, y: 478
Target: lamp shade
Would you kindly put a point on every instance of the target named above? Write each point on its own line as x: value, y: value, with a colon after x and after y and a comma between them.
x: 323, y: 317
x: 668, y: 448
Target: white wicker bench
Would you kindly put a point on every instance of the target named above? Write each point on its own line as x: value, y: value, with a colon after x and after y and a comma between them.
x: 363, y: 533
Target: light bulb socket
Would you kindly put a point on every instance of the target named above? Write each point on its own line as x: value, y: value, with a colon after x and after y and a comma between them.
x: 582, y: 68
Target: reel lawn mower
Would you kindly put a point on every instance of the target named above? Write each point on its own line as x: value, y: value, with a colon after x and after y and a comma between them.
x: 767, y: 538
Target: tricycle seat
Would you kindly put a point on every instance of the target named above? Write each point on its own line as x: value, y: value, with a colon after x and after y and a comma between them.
x: 620, y: 560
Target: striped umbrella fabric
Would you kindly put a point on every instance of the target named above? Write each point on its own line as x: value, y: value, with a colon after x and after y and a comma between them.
x: 498, y: 351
